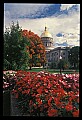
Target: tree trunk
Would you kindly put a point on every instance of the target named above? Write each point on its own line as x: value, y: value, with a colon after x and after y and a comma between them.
x: 30, y: 68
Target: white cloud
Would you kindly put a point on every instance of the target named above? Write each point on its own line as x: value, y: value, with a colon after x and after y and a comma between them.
x: 25, y: 9
x: 69, y: 25
x: 66, y: 6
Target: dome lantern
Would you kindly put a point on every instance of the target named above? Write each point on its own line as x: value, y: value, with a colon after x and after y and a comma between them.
x: 45, y: 28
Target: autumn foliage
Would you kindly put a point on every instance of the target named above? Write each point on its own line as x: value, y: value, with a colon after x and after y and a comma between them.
x: 35, y: 48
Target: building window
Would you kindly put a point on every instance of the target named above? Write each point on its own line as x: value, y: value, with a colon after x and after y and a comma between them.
x: 50, y: 44
x: 46, y: 43
x: 63, y: 53
x: 57, y: 59
x: 55, y: 52
x: 52, y: 54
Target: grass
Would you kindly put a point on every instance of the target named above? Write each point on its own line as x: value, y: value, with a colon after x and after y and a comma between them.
x: 69, y: 71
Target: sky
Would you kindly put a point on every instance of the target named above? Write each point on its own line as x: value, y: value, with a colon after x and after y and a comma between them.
x: 62, y: 20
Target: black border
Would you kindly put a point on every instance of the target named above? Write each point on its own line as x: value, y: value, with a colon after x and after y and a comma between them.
x: 2, y: 41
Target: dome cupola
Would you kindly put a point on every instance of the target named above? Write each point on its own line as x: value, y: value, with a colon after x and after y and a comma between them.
x: 47, y: 39
x: 46, y: 33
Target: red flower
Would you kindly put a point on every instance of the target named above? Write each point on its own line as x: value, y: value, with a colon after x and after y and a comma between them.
x: 76, y: 113
x: 49, y: 101
x: 52, y: 112
x: 78, y: 100
x: 69, y: 107
x: 56, y: 99
x: 39, y: 90
x: 47, y: 90
x: 39, y: 101
x: 16, y: 95
x: 58, y: 104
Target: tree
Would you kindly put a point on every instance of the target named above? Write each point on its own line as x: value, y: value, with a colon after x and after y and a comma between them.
x: 15, y: 52
x: 36, y: 49
x: 73, y: 56
x: 63, y: 64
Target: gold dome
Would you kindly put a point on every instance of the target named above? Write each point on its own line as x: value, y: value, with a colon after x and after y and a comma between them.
x: 46, y: 33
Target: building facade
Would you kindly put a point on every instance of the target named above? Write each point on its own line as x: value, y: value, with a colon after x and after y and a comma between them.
x: 53, y: 54
x: 57, y: 53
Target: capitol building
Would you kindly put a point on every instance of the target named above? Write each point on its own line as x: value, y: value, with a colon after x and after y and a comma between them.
x: 53, y: 54
x: 47, y: 40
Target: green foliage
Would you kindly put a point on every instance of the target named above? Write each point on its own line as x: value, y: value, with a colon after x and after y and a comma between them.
x: 6, y: 64
x: 74, y: 56
x: 63, y: 64
x: 15, y: 54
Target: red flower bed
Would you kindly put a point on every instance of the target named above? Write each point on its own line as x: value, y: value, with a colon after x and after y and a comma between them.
x: 46, y: 94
